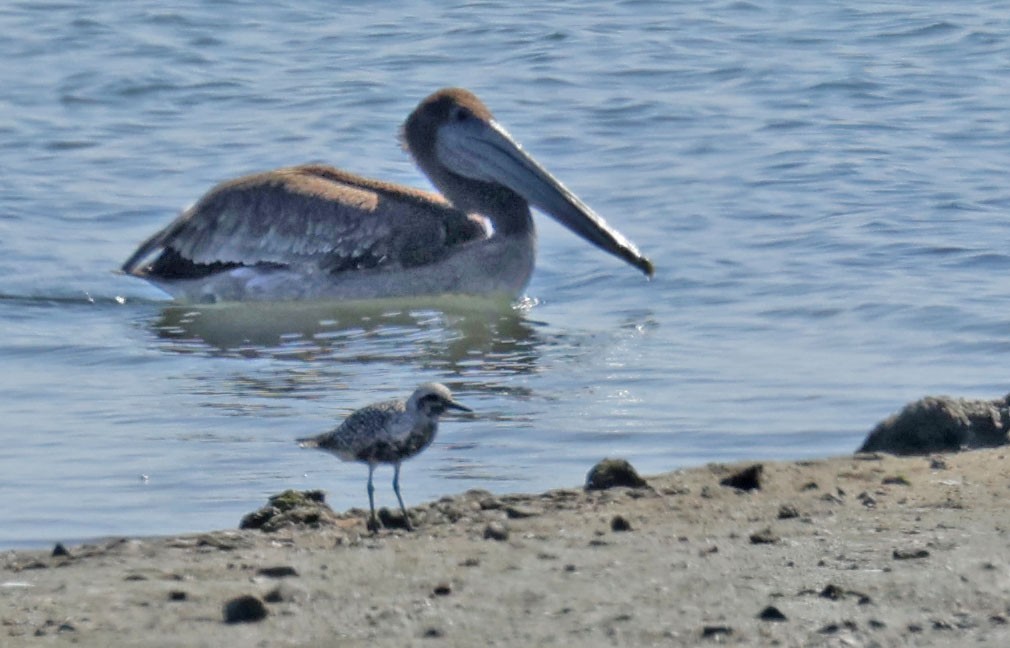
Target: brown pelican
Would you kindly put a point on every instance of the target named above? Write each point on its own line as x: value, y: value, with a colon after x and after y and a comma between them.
x: 315, y: 232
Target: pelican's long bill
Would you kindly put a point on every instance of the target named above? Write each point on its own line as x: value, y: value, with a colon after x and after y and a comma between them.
x: 485, y: 151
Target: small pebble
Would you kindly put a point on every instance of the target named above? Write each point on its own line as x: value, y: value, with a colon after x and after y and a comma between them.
x: 442, y: 589
x: 772, y: 613
x: 712, y: 632
x: 278, y: 572
x: 496, y: 531
x: 910, y: 554
x: 285, y: 592
x: 788, y: 512
x: 764, y: 536
x: 832, y: 628
x: 832, y: 592
x: 177, y: 595
x: 520, y: 512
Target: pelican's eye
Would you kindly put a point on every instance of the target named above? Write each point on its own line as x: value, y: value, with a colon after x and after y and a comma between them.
x: 459, y: 114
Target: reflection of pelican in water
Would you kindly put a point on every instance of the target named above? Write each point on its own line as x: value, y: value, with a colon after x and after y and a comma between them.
x: 315, y: 232
x: 443, y: 331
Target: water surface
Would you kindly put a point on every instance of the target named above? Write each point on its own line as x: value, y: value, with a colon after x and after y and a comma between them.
x: 821, y: 186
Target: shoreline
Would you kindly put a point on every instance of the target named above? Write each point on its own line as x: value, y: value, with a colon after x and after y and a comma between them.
x: 856, y: 549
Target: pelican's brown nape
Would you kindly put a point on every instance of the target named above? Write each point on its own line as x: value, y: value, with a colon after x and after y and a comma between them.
x: 316, y: 232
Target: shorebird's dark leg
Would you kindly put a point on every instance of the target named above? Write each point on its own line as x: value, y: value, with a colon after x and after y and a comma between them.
x: 373, y: 522
x: 396, y: 489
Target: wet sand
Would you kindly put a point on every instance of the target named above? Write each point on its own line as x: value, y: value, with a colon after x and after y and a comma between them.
x: 866, y: 550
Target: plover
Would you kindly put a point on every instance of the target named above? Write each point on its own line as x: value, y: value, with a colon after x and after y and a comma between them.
x: 388, y: 432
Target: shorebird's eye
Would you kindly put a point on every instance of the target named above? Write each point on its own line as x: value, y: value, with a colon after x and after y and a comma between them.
x: 459, y: 114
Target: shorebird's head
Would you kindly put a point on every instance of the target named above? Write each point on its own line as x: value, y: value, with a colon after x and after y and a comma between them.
x: 432, y: 399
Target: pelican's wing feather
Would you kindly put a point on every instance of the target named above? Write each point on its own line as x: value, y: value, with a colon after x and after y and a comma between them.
x: 310, y: 214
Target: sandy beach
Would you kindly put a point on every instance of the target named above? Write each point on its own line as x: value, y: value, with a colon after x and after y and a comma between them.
x: 848, y: 551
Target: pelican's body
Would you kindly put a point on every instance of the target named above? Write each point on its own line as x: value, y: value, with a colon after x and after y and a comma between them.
x: 315, y: 232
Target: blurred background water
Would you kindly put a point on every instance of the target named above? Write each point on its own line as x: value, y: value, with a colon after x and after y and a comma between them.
x: 822, y: 186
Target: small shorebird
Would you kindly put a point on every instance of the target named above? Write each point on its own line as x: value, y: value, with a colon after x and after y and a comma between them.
x: 315, y: 232
x: 388, y: 432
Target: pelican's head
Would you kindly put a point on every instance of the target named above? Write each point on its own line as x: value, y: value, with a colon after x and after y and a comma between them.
x: 459, y: 145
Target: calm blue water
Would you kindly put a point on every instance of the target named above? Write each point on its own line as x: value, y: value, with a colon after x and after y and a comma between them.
x: 823, y: 188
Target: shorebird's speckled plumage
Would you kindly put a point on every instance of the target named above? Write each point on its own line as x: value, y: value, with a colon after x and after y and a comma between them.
x: 316, y: 232
x: 388, y: 432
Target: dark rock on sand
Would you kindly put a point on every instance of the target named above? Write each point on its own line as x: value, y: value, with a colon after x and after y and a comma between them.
x: 281, y: 571
x: 716, y: 632
x: 747, y: 479
x: 764, y: 536
x: 291, y: 509
x: 611, y: 473
x: 942, y: 424
x: 392, y: 519
x: 835, y: 593
x: 286, y: 593
x: 619, y: 523
x: 772, y: 613
x: 910, y: 554
x: 244, y: 609
x: 832, y: 592
x: 60, y: 550
x: 832, y: 628
x: 788, y: 512
x: 518, y: 512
